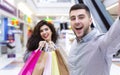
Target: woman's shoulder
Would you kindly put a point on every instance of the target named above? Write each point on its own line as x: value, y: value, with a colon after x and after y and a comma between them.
x: 26, y: 55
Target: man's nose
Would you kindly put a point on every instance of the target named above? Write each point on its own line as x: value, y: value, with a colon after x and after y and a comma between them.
x: 76, y: 20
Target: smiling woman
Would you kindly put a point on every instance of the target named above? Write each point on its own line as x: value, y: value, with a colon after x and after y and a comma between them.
x: 43, y: 33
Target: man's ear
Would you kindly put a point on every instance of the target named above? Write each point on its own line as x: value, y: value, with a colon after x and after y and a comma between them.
x: 90, y: 20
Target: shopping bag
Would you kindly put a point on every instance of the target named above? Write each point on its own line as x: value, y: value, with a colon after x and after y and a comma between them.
x: 30, y: 63
x: 40, y: 65
x: 63, y: 68
x: 55, y: 69
x: 59, y: 61
x: 48, y: 65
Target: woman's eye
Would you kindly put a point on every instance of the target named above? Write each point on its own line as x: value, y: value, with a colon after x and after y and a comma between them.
x: 46, y: 29
x: 41, y: 30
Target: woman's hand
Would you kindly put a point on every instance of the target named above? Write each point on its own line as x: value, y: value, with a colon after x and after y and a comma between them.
x: 48, y: 46
x: 42, y: 44
x: 51, y: 45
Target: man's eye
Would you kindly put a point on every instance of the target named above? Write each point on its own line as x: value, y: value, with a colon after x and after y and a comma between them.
x: 72, y: 18
x: 81, y: 17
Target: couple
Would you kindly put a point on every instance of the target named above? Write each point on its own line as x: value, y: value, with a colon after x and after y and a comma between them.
x: 91, y: 52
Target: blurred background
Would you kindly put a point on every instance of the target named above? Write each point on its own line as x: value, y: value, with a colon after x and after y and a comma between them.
x: 18, y: 18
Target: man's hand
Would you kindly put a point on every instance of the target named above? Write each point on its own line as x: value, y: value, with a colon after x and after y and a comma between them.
x: 119, y: 8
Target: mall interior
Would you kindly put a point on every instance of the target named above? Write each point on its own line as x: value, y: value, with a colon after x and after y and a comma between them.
x: 18, y: 18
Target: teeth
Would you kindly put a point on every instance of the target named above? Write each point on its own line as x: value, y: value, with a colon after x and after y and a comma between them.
x: 45, y: 35
x: 79, y: 28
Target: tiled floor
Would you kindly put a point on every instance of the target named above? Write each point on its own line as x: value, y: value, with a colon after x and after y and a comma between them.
x: 11, y: 66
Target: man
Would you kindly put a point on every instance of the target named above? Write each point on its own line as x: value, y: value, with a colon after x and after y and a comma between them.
x: 91, y: 52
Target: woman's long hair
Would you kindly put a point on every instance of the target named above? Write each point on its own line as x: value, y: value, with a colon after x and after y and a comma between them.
x: 35, y: 38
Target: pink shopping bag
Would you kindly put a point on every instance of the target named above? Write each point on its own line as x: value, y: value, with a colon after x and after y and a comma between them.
x: 30, y: 63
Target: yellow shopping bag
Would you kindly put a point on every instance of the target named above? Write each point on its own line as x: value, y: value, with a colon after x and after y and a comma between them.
x: 55, y: 69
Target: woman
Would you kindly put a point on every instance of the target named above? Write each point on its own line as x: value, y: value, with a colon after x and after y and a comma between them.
x: 43, y: 33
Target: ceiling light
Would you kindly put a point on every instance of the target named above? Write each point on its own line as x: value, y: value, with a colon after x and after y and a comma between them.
x: 112, y: 6
x: 24, y: 8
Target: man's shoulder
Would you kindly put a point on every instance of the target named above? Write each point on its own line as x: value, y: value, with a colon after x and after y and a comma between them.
x: 99, y: 37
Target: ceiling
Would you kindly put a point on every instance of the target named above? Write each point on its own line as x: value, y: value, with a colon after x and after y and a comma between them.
x: 54, y: 9
x: 59, y: 9
x: 112, y: 7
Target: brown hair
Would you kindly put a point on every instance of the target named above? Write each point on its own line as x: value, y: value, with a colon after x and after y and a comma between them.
x: 80, y: 6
